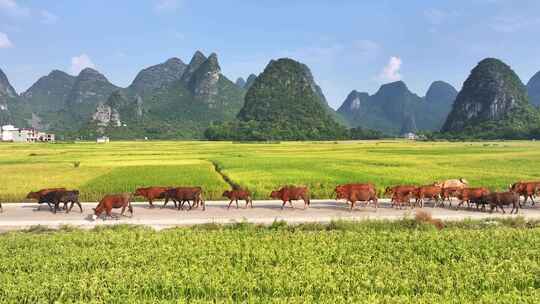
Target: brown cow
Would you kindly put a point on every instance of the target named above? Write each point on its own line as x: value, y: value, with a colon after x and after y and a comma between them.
x: 115, y: 201
x: 290, y: 193
x: 238, y: 194
x: 399, y: 193
x: 347, y: 187
x: 40, y: 196
x: 430, y: 192
x: 354, y: 194
x: 343, y: 190
x: 402, y: 198
x: 526, y: 189
x: 185, y: 194
x: 500, y: 199
x: 457, y: 183
x: 152, y: 193
x: 449, y: 193
x: 469, y: 195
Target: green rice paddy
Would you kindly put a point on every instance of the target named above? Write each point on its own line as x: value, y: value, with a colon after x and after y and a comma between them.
x: 123, y: 166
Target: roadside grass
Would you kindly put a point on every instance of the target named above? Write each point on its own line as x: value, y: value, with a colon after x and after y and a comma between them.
x: 122, y: 166
x: 405, y: 261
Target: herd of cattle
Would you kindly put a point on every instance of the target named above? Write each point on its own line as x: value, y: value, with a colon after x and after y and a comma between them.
x: 401, y: 195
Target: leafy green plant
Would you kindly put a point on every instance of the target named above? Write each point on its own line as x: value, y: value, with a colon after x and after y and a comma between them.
x: 343, y: 262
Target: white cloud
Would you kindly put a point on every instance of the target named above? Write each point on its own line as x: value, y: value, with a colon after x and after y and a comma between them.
x: 48, y: 17
x: 5, y: 43
x: 391, y: 72
x: 78, y: 63
x: 167, y: 6
x: 11, y: 8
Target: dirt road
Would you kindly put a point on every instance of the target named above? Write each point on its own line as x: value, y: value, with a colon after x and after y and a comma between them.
x: 25, y: 215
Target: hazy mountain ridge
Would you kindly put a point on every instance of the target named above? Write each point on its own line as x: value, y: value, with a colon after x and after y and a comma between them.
x: 533, y: 89
x: 395, y: 109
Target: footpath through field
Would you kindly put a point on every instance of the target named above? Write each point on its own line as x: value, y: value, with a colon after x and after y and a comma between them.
x: 25, y: 215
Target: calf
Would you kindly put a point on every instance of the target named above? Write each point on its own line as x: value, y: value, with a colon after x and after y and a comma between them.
x: 469, y: 195
x: 238, y: 194
x: 430, y: 192
x: 115, y: 201
x: 500, y: 199
x: 185, y: 194
x: 152, y: 193
x: 290, y: 193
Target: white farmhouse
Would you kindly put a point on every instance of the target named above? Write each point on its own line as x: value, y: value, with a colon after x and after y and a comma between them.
x: 410, y: 136
x: 102, y: 140
x: 7, y: 132
x: 10, y: 133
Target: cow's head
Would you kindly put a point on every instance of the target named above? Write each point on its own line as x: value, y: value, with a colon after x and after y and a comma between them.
x: 32, y: 195
x: 275, y: 194
x: 226, y: 193
x: 97, y: 212
x: 388, y: 191
x: 341, y: 195
x: 515, y: 187
x: 139, y: 192
x: 340, y: 192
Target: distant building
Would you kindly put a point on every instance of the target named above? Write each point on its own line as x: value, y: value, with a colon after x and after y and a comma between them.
x: 102, y: 140
x: 410, y: 136
x: 7, y: 132
x: 10, y: 133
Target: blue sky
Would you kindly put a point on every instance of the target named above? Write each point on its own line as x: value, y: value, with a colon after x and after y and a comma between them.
x: 348, y: 44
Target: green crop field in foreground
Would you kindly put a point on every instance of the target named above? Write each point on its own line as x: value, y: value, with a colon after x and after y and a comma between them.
x: 367, y: 262
x: 122, y: 166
